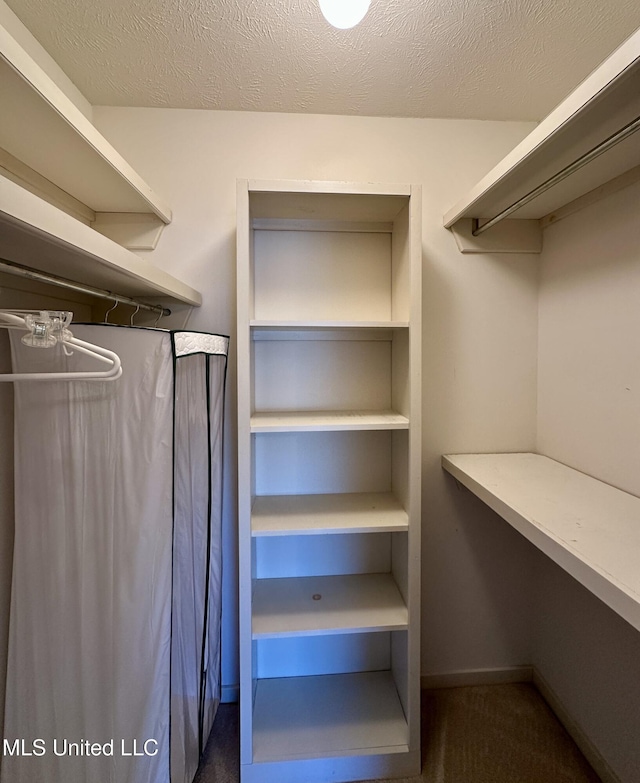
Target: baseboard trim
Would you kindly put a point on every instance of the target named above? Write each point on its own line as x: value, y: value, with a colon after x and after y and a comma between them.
x: 471, y: 677
x: 573, y: 728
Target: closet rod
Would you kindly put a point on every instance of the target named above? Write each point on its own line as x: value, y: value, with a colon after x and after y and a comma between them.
x: 33, y: 274
x: 593, y: 153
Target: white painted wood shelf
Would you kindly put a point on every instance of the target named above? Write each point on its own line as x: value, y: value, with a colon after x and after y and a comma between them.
x: 297, y: 326
x: 43, y: 129
x: 69, y: 202
x: 367, y: 512
x: 327, y: 421
x: 346, y: 603
x: 330, y: 715
x: 602, y: 104
x: 587, y: 527
x: 311, y: 204
x: 38, y: 235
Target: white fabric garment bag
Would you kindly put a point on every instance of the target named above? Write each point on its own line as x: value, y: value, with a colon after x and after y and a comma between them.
x: 114, y: 641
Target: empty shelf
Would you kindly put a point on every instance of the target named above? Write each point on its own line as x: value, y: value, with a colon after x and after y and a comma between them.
x: 372, y: 512
x: 311, y: 421
x: 46, y: 131
x: 264, y: 324
x: 601, y: 105
x: 587, y: 527
x: 327, y: 604
x: 330, y: 715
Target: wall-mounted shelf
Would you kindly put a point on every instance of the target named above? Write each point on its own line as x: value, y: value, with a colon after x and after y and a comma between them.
x: 601, y: 105
x: 589, y: 528
x: 70, y: 205
x: 44, y: 130
x: 38, y: 235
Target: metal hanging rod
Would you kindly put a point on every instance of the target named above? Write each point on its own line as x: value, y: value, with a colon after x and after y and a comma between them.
x: 593, y: 153
x: 33, y: 274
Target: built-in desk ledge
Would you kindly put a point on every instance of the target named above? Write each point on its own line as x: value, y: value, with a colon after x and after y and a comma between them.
x: 587, y: 527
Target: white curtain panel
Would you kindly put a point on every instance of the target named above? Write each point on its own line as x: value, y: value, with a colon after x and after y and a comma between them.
x: 114, y: 640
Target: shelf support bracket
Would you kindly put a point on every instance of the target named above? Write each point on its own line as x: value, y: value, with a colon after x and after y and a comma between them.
x: 132, y: 230
x: 510, y: 236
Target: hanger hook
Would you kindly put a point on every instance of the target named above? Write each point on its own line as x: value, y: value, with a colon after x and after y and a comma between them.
x: 133, y: 315
x: 111, y: 309
x: 160, y: 314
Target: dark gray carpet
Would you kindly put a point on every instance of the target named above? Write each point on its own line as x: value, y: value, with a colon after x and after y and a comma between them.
x: 485, y: 734
x: 221, y: 759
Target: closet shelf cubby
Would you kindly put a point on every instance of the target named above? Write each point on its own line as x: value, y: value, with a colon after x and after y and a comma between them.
x: 589, y: 528
x: 353, y: 714
x: 329, y: 283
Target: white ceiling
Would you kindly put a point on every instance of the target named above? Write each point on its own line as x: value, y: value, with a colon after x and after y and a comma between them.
x: 485, y: 59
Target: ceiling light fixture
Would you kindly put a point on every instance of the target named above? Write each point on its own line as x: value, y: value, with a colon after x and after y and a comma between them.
x: 344, y: 14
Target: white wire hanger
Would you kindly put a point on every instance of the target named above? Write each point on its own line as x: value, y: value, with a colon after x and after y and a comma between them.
x: 48, y: 328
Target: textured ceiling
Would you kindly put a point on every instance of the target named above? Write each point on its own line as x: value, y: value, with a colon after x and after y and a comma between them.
x: 486, y: 59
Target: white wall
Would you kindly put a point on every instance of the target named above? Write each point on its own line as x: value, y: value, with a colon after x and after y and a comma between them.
x: 590, y: 659
x: 589, y: 367
x: 589, y: 418
x: 480, y: 329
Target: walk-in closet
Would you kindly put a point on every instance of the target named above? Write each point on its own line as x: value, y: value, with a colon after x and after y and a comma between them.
x: 319, y: 392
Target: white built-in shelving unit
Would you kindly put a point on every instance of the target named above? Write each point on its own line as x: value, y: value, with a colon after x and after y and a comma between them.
x: 587, y: 527
x: 70, y: 204
x: 603, y: 104
x: 329, y: 480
